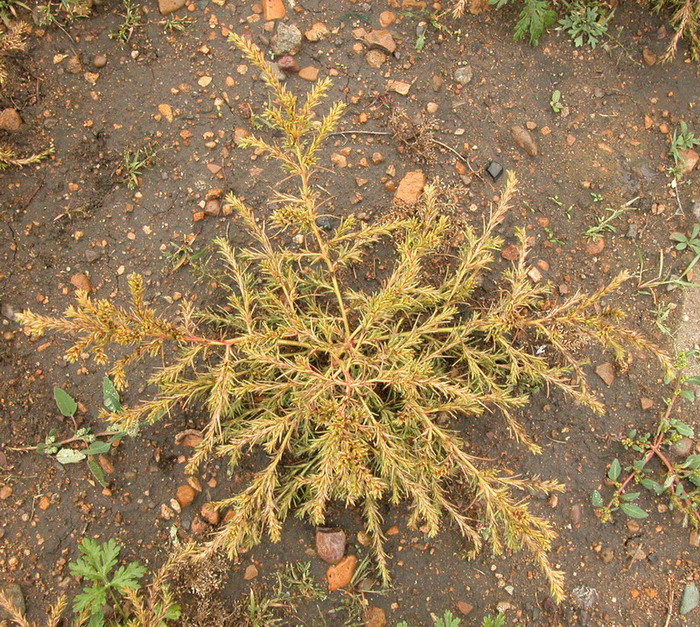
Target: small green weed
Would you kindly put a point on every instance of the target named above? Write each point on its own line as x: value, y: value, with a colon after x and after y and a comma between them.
x: 683, y: 139
x: 673, y: 281
x: 535, y: 18
x: 184, y: 254
x: 96, y: 443
x: 175, y: 23
x: 555, y: 101
x: 50, y: 13
x: 96, y: 565
x: 448, y: 619
x: 661, y: 314
x: 604, y: 224
x: 691, y: 242
x: 296, y: 583
x: 260, y: 611
x: 131, y: 20
x: 585, y: 23
x: 112, y: 594
x: 494, y: 621
x: 679, y: 481
x: 135, y: 162
x: 568, y: 211
x: 551, y: 236
x: 8, y: 10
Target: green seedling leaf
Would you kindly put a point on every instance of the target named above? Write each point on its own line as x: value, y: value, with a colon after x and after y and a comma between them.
x: 173, y: 612
x: 97, y: 471
x: 97, y: 560
x: 65, y: 402
x: 110, y: 396
x: 89, y: 600
x: 494, y: 621
x: 632, y: 510
x: 69, y: 456
x: 614, y: 470
x: 116, y: 437
x: 448, y: 619
x: 535, y: 18
x: 688, y: 395
x: 682, y: 428
x: 630, y: 496
x: 650, y: 484
x: 128, y: 576
x: 597, y: 499
x: 692, y: 462
x: 98, y: 448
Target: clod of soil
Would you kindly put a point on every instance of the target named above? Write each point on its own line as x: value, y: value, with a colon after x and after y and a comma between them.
x: 340, y: 575
x: 330, y: 544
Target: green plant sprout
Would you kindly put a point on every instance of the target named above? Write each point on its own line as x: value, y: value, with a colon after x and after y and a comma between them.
x: 48, y: 13
x: 670, y: 280
x: 8, y: 10
x: 551, y: 236
x: 555, y: 101
x: 585, y: 23
x: 96, y: 565
x: 448, y: 619
x: 534, y: 19
x: 135, y: 161
x: 568, y: 211
x: 661, y: 315
x: 131, y: 20
x: 679, y: 481
x: 175, y: 23
x: 604, y: 224
x: 112, y: 596
x: 683, y: 139
x: 95, y: 445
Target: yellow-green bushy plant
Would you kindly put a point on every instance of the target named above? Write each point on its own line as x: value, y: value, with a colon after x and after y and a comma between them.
x: 345, y: 391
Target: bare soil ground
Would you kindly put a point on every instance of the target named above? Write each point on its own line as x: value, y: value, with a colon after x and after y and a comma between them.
x: 75, y: 214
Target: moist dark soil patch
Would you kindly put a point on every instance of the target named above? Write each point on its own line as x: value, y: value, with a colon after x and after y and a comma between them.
x: 604, y: 146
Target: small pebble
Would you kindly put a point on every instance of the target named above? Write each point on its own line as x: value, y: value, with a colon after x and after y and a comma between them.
x: 99, y: 61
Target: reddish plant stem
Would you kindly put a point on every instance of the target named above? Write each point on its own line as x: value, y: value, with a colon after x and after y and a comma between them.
x: 654, y: 450
x: 62, y: 442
